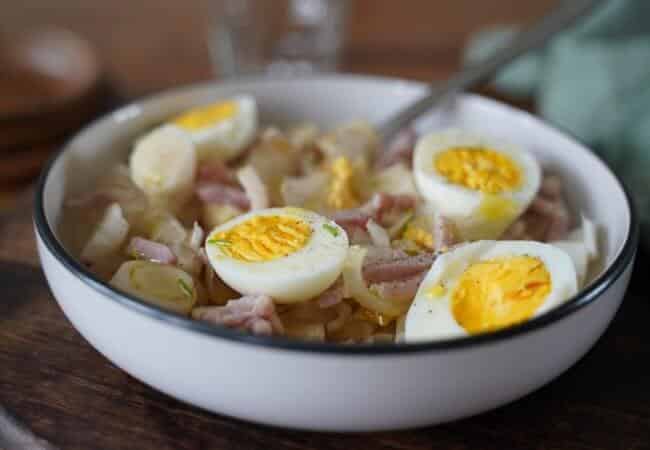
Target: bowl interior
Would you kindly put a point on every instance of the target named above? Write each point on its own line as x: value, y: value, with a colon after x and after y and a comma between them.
x: 592, y: 189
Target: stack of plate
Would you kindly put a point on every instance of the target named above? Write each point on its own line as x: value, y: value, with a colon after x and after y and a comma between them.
x: 50, y: 85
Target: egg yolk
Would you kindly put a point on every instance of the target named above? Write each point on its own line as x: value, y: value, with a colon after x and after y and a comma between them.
x: 264, y: 238
x: 418, y: 235
x: 500, y: 292
x: 479, y: 169
x: 205, y: 116
x: 494, y: 207
x: 341, y: 191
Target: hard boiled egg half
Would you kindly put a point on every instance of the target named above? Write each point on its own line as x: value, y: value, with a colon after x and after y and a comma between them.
x: 484, y: 286
x: 290, y: 254
x: 221, y: 130
x: 163, y: 164
x: 479, y: 183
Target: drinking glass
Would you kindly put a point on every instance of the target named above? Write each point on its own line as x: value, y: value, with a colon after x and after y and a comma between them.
x: 276, y: 37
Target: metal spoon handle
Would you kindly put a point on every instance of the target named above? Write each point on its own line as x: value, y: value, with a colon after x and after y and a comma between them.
x: 557, y: 20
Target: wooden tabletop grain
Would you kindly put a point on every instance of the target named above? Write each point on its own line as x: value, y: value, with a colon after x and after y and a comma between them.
x: 58, y: 387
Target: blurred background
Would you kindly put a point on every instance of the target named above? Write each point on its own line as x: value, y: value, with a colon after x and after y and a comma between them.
x: 148, y: 45
x: 64, y: 62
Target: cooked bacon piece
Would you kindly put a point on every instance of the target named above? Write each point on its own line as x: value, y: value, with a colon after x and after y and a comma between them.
x: 350, y: 218
x: 354, y: 221
x: 222, y: 194
x: 382, y: 203
x: 397, y: 269
x: 253, y: 313
x: 517, y: 230
x: 399, y: 290
x: 559, y: 226
x: 380, y: 255
x: 399, y: 149
x: 376, y: 208
x: 547, y: 218
x: 543, y: 206
x: 332, y: 295
x: 551, y: 186
x: 393, y: 274
x: 216, y: 172
x: 151, y: 251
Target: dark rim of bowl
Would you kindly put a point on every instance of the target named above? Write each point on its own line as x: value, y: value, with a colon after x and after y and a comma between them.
x: 580, y: 300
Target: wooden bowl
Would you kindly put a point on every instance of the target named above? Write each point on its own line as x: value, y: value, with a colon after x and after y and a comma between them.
x: 49, y: 84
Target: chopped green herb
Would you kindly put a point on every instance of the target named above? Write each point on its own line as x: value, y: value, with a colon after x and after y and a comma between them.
x: 331, y: 229
x: 221, y: 242
x: 185, y: 288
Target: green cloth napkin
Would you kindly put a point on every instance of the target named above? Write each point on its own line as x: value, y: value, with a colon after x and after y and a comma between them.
x: 593, y: 81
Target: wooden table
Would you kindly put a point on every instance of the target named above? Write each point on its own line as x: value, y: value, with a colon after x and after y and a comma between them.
x: 67, y: 393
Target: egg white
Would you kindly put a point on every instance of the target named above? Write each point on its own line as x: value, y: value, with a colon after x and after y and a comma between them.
x: 227, y: 138
x: 163, y: 164
x: 464, y: 206
x: 431, y: 318
x: 299, y: 276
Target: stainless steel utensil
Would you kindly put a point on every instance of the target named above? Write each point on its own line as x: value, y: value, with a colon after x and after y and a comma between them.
x: 557, y: 20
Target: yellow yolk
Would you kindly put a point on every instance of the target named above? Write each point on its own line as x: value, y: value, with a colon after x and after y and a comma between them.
x: 500, y: 292
x: 480, y: 169
x: 418, y: 235
x: 206, y: 116
x: 494, y: 207
x: 264, y: 238
x: 341, y: 191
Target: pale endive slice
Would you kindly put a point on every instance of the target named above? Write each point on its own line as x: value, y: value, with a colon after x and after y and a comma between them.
x: 109, y: 235
x: 163, y: 285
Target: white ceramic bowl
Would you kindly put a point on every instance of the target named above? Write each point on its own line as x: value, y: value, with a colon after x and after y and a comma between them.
x: 325, y: 386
